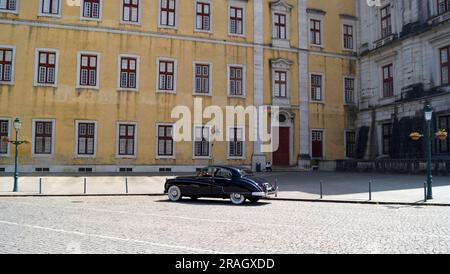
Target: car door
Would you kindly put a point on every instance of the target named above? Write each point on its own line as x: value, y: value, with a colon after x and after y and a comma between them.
x: 201, y: 186
x: 223, y: 179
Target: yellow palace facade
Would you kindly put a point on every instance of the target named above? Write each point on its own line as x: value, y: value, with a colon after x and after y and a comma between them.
x: 94, y: 82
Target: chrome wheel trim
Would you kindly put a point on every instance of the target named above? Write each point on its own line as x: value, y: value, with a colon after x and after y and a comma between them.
x: 174, y: 193
x: 237, y: 198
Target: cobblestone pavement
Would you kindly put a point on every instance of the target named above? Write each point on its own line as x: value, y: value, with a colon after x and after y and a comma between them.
x: 154, y: 225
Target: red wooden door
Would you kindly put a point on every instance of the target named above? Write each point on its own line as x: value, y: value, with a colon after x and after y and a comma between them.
x: 317, y: 144
x: 281, y: 156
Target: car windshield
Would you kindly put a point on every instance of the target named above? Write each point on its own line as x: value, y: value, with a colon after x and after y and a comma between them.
x: 246, y: 172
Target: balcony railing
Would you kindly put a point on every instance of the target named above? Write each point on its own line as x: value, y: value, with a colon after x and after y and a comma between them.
x: 417, y: 91
x: 439, y: 19
x: 385, y: 40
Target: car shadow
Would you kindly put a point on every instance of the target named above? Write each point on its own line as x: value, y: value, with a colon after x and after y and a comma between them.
x: 214, y: 202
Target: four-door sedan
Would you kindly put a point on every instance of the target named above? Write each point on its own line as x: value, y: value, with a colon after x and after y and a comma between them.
x: 237, y: 184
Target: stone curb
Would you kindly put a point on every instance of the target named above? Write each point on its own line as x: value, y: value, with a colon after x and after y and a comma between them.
x: 269, y: 199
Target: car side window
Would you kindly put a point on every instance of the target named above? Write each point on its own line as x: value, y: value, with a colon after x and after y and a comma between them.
x: 223, y: 173
x: 206, y: 172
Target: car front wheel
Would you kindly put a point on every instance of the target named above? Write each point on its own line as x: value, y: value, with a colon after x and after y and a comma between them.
x: 237, y: 199
x: 174, y: 193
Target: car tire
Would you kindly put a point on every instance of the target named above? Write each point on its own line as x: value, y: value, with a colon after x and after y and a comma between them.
x: 237, y: 199
x: 174, y: 193
x: 254, y: 200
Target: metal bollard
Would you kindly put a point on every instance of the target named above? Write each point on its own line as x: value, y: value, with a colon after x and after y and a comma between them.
x: 85, y: 186
x: 370, y: 190
x: 126, y: 185
x: 425, y: 192
x: 40, y: 185
x: 321, y: 190
x: 276, y: 188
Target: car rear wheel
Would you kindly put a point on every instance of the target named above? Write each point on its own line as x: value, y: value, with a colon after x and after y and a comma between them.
x: 174, y: 193
x: 237, y: 199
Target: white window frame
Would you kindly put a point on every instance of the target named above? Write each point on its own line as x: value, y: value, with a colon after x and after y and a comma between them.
x: 323, y: 88
x: 244, y: 80
x: 36, y: 67
x: 323, y: 143
x: 210, y: 143
x: 33, y: 143
x: 238, y: 4
x: 16, y: 11
x: 174, y: 152
x: 175, y: 72
x: 177, y: 11
x: 58, y: 15
x: 355, y: 89
x: 13, y: 63
x: 319, y: 17
x: 282, y: 65
x: 93, y: 156
x: 118, y: 156
x: 119, y: 65
x: 211, y: 67
x: 100, y: 12
x: 229, y: 157
x: 211, y: 16
x: 281, y: 7
x: 78, y: 85
x: 9, y: 136
x: 349, y: 23
x: 139, y: 22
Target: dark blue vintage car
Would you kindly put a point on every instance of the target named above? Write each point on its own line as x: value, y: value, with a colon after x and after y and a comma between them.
x: 237, y: 184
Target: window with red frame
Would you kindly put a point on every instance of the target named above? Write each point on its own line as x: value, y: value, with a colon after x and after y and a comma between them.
x: 4, y: 133
x: 445, y: 65
x: 236, y: 143
x: 348, y: 36
x: 128, y: 72
x: 127, y: 135
x: 202, y: 141
x: 316, y: 87
x: 280, y: 26
x: 9, y: 5
x: 46, y: 67
x: 130, y: 11
x: 443, y: 6
x: 50, y: 7
x: 203, y: 16
x: 165, y: 141
x: 388, y: 81
x: 166, y: 75
x: 88, y: 70
x: 168, y: 12
x: 386, y: 23
x: 43, y: 137
x: 91, y: 9
x: 202, y: 73
x: 86, y: 138
x: 280, y: 82
x: 236, y: 20
x: 6, y: 64
x: 236, y: 81
x: 316, y: 32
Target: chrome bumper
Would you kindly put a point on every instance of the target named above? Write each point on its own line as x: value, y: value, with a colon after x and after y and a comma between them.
x: 266, y: 194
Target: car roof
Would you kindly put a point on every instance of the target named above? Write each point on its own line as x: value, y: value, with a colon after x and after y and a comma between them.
x: 235, y: 168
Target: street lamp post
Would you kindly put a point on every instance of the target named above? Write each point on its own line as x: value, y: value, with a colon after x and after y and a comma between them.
x: 428, y: 110
x: 17, y: 126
